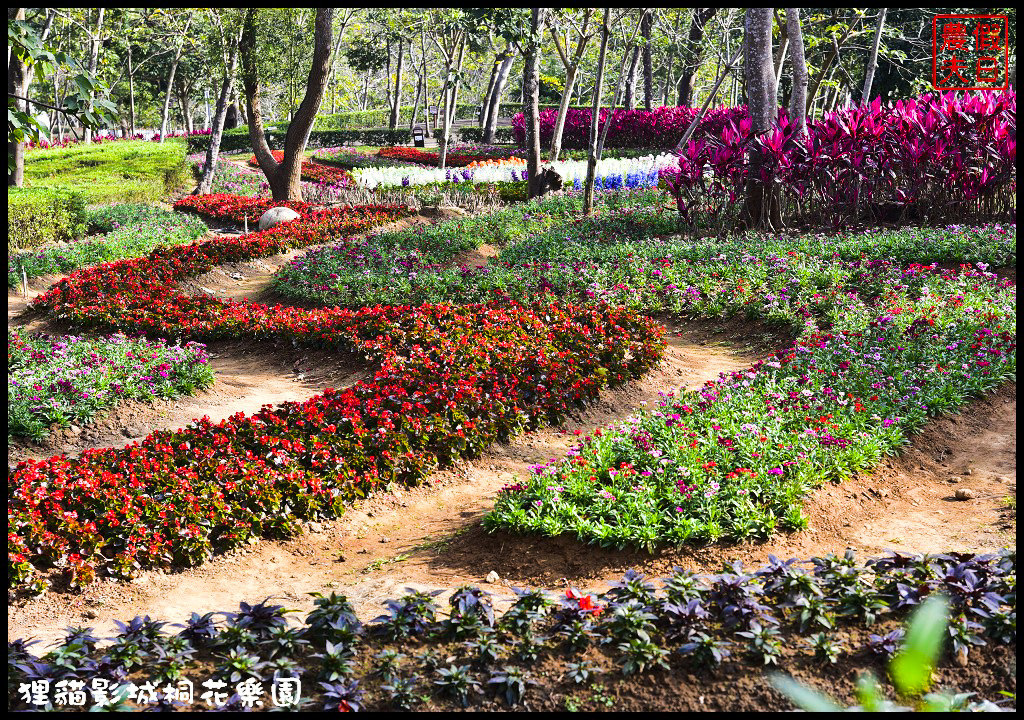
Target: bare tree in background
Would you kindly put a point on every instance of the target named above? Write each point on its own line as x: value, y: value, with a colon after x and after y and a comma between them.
x: 869, y: 73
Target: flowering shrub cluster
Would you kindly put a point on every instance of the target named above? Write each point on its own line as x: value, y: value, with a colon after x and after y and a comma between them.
x: 227, y: 207
x: 313, y: 171
x: 452, y: 379
x: 939, y: 158
x: 826, y: 611
x: 453, y: 158
x: 130, y: 230
x: 69, y: 379
x: 660, y: 128
x: 108, y: 137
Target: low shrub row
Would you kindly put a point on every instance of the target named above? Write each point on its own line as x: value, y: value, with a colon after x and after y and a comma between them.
x: 129, y: 230
x: 431, y: 158
x: 452, y: 379
x: 825, y: 613
x: 37, y: 216
x: 60, y: 380
x: 660, y: 128
x: 476, y: 135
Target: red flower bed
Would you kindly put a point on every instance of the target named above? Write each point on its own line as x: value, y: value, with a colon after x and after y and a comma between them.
x: 431, y: 159
x: 451, y: 380
x: 234, y: 208
x: 313, y: 172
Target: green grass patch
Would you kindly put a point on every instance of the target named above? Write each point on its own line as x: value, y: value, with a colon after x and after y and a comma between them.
x: 134, y: 171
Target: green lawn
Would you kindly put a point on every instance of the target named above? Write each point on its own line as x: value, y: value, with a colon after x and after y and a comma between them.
x: 130, y: 171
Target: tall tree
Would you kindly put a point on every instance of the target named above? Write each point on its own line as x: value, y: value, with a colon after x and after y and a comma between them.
x: 869, y: 73
x: 687, y: 81
x: 629, y: 45
x: 630, y: 99
x: 645, y: 34
x: 504, y: 61
x: 229, y: 45
x: 95, y: 41
x: 449, y: 31
x: 595, y: 110
x: 284, y: 176
x: 582, y: 35
x: 798, y: 96
x: 531, y: 100
x: 762, y: 206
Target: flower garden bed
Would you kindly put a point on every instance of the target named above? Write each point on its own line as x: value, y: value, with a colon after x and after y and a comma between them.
x: 882, y: 348
x: 821, y: 619
x: 312, y: 171
x: 70, y: 379
x: 452, y: 379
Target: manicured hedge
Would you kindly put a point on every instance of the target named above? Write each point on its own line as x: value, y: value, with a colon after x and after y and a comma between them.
x: 476, y: 135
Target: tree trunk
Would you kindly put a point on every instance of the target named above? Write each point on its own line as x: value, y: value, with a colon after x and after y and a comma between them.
x: 722, y: 72
x: 631, y: 79
x: 595, y: 110
x: 94, y: 56
x: 762, y: 203
x: 798, y: 96
x: 131, y: 93
x: 869, y: 74
x: 780, y: 56
x: 416, y: 101
x: 645, y: 33
x: 16, y: 86
x: 393, y: 122
x: 701, y: 16
x: 615, y: 97
x: 449, y: 104
x: 213, y: 150
x: 186, y: 108
x: 485, y: 101
x: 494, y: 111
x: 284, y: 177
x: 167, y: 97
x: 531, y: 100
x: 563, y: 111
x: 827, y: 64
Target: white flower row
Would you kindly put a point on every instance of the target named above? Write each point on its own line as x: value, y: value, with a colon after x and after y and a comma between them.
x: 572, y: 171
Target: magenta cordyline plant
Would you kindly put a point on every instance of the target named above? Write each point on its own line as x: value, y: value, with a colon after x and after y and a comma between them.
x: 936, y: 158
x: 659, y: 128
